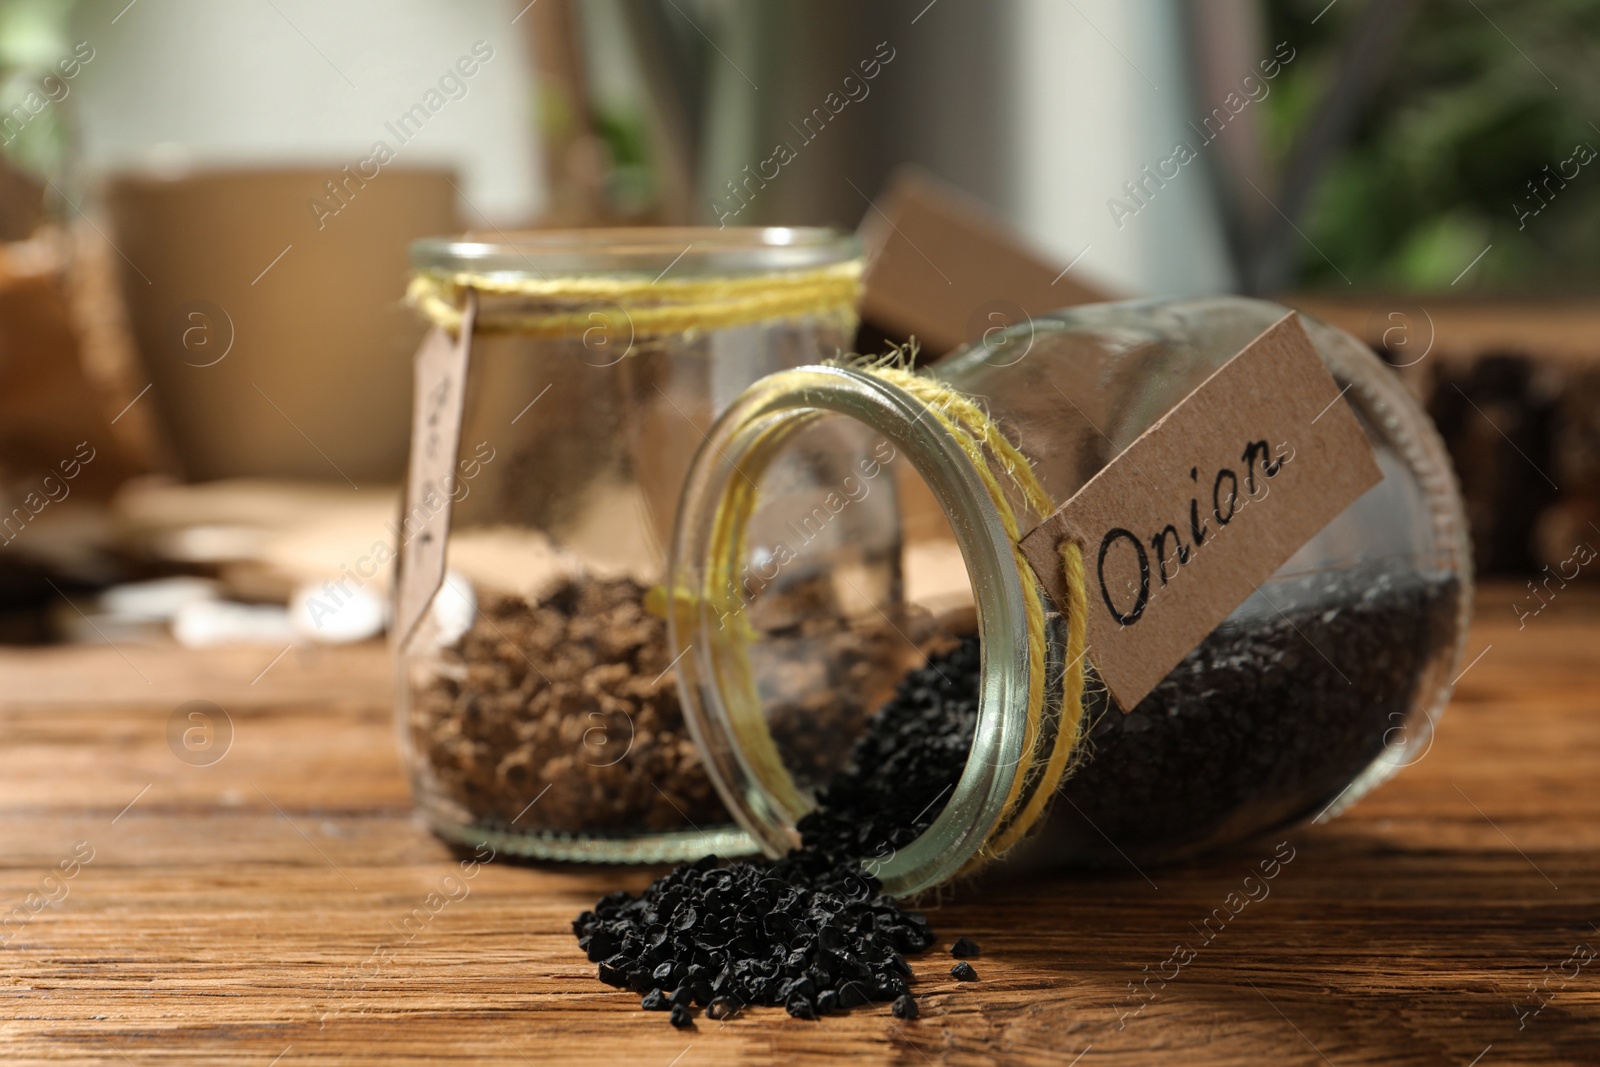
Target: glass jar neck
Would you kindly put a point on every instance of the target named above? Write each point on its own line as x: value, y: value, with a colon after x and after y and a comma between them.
x: 710, y: 558
x: 618, y: 287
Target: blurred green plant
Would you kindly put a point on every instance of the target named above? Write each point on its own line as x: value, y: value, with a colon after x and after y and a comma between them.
x: 631, y: 181
x: 1480, y: 97
x: 34, y: 37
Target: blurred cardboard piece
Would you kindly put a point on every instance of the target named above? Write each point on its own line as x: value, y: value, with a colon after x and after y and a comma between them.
x: 21, y: 202
x: 943, y: 269
x: 267, y: 310
x: 49, y: 410
x: 106, y: 351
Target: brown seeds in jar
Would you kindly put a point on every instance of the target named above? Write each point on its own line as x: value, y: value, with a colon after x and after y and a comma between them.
x: 562, y: 714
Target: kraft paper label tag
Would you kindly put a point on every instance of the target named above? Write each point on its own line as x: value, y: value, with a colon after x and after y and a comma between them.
x: 1182, y: 526
x: 441, y: 377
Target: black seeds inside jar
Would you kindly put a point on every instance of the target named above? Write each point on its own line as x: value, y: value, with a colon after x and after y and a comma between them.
x: 810, y: 932
x: 1264, y: 723
x: 905, y: 764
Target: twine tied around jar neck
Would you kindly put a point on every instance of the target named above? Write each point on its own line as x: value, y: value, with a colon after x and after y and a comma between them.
x: 636, y: 308
x: 1047, y: 752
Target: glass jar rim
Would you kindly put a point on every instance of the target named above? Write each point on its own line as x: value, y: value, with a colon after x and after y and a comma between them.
x: 733, y: 449
x: 649, y: 251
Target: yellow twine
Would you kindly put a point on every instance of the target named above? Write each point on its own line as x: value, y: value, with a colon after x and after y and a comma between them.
x: 730, y: 525
x: 1045, y: 759
x: 1074, y: 673
x: 634, y: 308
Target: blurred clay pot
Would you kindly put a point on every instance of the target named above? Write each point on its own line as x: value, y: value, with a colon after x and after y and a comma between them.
x: 267, y: 310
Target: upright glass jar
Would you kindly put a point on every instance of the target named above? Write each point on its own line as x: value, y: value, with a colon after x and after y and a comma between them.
x: 1310, y: 693
x: 538, y: 703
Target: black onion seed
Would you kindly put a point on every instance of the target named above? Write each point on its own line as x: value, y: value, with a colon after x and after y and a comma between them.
x: 904, y: 1007
x: 963, y: 972
x: 964, y: 948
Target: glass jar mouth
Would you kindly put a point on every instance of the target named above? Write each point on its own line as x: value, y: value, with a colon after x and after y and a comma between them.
x: 722, y: 709
x: 685, y: 251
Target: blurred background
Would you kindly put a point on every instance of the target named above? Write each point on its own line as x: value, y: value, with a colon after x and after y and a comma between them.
x: 205, y: 358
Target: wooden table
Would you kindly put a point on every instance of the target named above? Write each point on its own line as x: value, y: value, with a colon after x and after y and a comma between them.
x: 230, y: 912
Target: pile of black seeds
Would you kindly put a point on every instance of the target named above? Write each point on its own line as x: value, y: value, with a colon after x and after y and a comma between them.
x: 1261, y: 725
x: 804, y: 933
x: 811, y: 932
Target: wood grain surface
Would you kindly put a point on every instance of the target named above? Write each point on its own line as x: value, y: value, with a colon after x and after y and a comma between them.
x: 230, y: 912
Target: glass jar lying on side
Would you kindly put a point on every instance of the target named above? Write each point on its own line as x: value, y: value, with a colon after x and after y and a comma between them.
x: 1311, y: 692
x: 539, y: 708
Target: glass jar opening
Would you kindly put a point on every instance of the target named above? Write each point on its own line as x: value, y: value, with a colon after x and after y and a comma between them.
x: 800, y: 612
